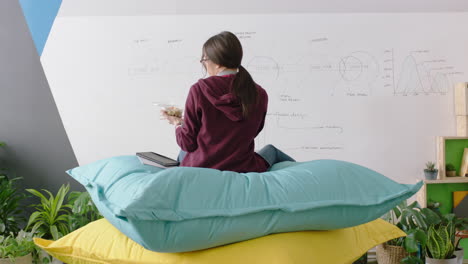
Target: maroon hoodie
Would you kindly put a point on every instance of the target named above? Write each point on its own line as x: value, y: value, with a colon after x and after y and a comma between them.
x: 215, y: 134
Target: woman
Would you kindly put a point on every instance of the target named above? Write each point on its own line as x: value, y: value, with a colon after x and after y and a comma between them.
x: 224, y: 113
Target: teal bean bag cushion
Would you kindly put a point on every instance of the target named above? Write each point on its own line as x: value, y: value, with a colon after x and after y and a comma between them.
x: 184, y: 209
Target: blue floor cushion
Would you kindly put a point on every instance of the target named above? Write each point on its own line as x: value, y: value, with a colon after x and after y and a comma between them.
x: 185, y: 209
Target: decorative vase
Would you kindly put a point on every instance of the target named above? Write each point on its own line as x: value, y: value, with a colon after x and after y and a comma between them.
x: 431, y: 175
x: 452, y: 260
x: 19, y: 260
x: 460, y: 255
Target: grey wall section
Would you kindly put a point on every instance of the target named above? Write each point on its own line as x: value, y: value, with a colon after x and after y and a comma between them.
x: 38, y: 148
x: 153, y: 7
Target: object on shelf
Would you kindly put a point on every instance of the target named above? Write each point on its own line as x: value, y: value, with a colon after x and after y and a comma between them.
x: 430, y: 172
x: 460, y: 204
x: 450, y: 150
x: 464, y: 164
x: 450, y: 170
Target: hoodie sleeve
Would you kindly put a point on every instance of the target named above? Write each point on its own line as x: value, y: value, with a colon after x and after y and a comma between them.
x: 186, y: 135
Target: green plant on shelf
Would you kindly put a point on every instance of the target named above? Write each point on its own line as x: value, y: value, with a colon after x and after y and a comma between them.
x: 434, y: 205
x: 430, y: 166
x: 450, y: 167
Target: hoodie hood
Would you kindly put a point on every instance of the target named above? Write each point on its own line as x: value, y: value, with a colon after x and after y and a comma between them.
x: 217, y: 89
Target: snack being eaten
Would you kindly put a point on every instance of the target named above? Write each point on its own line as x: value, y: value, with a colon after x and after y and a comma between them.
x: 173, y: 111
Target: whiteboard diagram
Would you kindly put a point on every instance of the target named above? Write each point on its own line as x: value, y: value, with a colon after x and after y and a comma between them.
x: 423, y: 77
x: 355, y: 87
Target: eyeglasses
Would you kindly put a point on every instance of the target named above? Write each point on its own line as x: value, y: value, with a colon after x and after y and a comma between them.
x: 203, y: 60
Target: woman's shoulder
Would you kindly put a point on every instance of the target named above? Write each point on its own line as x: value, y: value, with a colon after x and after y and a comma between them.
x: 261, y: 91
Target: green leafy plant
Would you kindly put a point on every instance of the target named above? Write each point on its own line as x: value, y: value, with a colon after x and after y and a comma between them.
x: 3, y: 170
x: 434, y: 205
x: 414, y: 221
x: 459, y: 224
x: 440, y: 243
x: 10, y: 208
x: 83, y: 209
x: 50, y: 220
x: 450, y: 167
x: 430, y: 166
x: 13, y: 247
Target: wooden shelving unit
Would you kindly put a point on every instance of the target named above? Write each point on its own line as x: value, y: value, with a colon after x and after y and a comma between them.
x: 441, y: 154
x: 448, y: 180
x: 421, y: 196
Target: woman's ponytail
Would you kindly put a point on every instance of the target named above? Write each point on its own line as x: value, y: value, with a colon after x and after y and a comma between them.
x: 245, y: 89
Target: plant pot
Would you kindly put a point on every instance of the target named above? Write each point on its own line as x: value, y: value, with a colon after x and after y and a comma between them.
x: 431, y: 175
x: 43, y: 254
x: 460, y: 255
x: 442, y: 261
x: 388, y: 254
x: 451, y: 173
x: 20, y: 260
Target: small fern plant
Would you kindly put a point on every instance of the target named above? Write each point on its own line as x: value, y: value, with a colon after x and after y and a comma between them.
x: 50, y: 220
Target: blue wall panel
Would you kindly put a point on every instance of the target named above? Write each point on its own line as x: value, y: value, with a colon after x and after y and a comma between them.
x: 40, y: 15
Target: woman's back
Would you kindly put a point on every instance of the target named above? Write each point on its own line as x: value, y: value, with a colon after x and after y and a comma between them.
x: 215, y: 133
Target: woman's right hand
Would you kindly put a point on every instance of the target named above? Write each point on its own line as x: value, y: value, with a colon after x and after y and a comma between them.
x: 172, y: 119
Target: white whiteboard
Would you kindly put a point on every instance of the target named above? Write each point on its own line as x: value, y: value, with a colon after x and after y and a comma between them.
x: 374, y: 89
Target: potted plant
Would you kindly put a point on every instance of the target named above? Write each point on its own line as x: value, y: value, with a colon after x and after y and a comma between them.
x: 413, y: 220
x: 459, y: 251
x: 10, y: 199
x: 450, y: 170
x: 83, y: 210
x: 440, y: 244
x: 430, y: 171
x: 50, y: 220
x: 434, y: 205
x: 461, y: 227
x: 18, y: 250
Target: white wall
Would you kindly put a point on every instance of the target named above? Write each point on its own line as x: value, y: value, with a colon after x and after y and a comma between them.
x: 152, y: 7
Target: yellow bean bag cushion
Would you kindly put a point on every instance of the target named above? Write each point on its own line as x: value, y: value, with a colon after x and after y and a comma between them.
x: 100, y: 242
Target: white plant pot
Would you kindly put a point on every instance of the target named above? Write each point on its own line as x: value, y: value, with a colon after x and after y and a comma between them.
x: 21, y: 260
x: 460, y: 255
x: 441, y: 261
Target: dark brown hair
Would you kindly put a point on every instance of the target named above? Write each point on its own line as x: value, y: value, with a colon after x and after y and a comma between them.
x: 225, y: 50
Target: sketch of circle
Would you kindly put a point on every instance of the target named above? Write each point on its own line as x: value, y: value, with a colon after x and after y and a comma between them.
x: 359, y: 66
x: 350, y: 68
x: 263, y: 69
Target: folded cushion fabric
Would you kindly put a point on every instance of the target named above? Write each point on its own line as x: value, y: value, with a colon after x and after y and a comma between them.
x: 100, y: 242
x: 185, y: 209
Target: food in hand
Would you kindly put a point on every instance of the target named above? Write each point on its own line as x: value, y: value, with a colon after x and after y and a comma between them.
x: 173, y: 111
